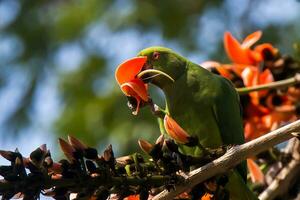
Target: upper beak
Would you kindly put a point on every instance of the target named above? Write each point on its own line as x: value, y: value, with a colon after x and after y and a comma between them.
x: 137, y: 68
x: 155, y: 73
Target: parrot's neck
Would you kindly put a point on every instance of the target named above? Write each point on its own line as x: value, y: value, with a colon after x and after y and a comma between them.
x: 182, y: 87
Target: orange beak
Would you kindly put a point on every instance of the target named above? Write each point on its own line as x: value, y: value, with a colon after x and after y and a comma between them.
x: 175, y: 131
x: 126, y: 76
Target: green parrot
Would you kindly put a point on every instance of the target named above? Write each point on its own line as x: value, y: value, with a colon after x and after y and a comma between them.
x: 204, y: 104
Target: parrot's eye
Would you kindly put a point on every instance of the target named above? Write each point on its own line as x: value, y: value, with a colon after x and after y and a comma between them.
x: 156, y: 55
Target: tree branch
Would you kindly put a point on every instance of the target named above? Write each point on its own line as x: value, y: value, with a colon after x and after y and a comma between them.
x: 234, y: 156
x: 286, y: 177
x: 277, y: 84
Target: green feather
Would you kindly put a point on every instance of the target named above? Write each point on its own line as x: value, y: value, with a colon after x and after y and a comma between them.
x: 204, y: 105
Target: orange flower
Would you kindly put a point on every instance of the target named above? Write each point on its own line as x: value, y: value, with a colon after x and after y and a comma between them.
x: 252, y: 76
x: 175, y: 131
x: 130, y: 85
x: 240, y: 53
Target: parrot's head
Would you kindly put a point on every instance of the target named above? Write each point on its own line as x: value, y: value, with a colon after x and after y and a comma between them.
x: 157, y: 65
x: 162, y: 67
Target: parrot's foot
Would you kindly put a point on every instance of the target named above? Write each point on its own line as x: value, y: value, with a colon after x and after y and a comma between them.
x: 216, y: 153
x: 206, y: 152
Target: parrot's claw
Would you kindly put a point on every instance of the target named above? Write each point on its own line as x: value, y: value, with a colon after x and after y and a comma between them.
x: 216, y: 153
x: 194, y: 141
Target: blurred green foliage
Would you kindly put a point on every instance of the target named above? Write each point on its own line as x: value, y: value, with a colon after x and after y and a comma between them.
x: 91, y: 106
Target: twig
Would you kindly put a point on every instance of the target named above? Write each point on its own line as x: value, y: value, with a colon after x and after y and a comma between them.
x: 277, y: 84
x: 286, y: 177
x: 234, y: 156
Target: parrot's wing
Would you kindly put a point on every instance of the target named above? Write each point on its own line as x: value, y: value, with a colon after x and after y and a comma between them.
x: 227, y: 112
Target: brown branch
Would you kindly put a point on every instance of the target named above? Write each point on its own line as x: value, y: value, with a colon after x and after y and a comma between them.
x: 277, y: 84
x: 233, y: 157
x: 286, y: 177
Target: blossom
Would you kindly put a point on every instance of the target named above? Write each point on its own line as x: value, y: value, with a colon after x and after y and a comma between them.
x: 175, y: 131
x: 131, y: 85
x: 252, y: 76
x: 241, y: 53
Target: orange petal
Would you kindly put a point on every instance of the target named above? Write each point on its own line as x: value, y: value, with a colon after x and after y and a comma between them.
x: 133, y: 197
x: 238, y: 68
x: 175, y: 131
x: 251, y: 39
x: 265, y: 46
x: 252, y: 110
x: 224, y: 72
x: 207, y: 196
x: 266, y: 77
x: 135, y: 88
x: 235, y: 52
x: 250, y: 78
x: 248, y: 131
x: 254, y: 128
x: 129, y: 69
x: 256, y: 174
x: 145, y: 145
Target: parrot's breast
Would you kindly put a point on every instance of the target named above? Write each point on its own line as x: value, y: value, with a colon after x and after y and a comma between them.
x: 191, y: 105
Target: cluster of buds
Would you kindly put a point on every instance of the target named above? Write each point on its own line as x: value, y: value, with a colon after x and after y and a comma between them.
x: 167, y: 157
x: 85, y: 174
x: 264, y: 108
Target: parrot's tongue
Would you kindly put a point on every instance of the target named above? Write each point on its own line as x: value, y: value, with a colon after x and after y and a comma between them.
x: 132, y: 86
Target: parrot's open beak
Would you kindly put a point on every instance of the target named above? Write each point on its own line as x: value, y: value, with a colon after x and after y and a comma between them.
x: 133, y: 75
x: 130, y: 85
